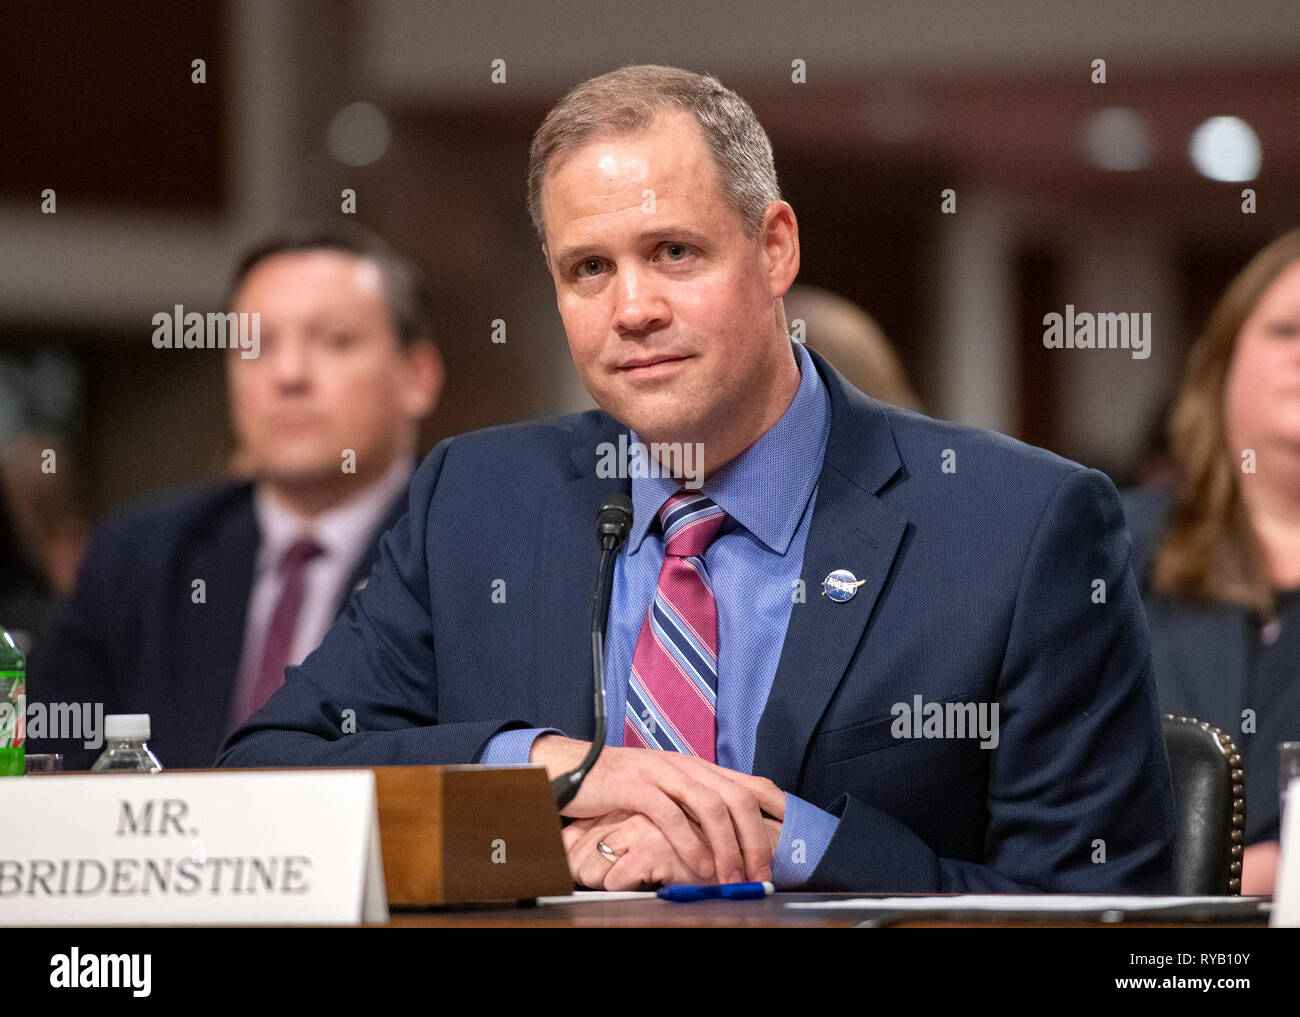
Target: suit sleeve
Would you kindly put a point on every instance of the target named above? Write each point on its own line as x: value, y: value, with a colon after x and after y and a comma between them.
x: 1079, y: 793
x: 368, y: 695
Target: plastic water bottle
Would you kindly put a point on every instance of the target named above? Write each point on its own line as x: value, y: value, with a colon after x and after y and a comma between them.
x: 125, y: 748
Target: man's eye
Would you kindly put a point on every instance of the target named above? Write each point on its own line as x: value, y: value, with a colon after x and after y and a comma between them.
x: 589, y: 263
x: 338, y: 340
x: 676, y: 252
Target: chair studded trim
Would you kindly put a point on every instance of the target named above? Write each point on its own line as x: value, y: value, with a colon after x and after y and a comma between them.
x: 1229, y: 749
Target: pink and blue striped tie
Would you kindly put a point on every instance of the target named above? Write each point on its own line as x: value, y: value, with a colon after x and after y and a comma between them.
x: 672, y: 697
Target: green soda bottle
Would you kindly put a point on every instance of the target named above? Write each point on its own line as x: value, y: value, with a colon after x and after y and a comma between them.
x: 13, y: 708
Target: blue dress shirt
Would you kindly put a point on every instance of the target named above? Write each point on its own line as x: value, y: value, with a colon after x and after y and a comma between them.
x: 754, y: 563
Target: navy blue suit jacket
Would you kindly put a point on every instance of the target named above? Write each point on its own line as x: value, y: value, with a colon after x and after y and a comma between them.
x: 979, y: 587
x: 132, y: 637
x: 1198, y: 647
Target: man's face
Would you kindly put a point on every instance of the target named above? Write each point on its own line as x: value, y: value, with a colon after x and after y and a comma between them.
x: 669, y: 309
x: 331, y: 374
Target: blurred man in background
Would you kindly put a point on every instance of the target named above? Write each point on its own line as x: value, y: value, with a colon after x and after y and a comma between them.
x: 190, y: 608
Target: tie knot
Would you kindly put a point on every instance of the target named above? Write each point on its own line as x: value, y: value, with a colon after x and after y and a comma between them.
x: 690, y: 522
x: 298, y: 554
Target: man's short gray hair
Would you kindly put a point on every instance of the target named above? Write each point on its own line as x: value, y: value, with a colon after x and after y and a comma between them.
x: 630, y: 100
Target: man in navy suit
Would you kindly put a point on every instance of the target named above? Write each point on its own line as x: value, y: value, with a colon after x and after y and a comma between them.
x: 190, y: 607
x: 892, y: 653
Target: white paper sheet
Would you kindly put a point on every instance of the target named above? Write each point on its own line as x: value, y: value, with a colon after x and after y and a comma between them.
x: 1014, y: 902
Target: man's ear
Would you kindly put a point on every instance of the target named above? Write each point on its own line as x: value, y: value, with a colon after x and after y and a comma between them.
x: 423, y: 379
x: 781, y: 245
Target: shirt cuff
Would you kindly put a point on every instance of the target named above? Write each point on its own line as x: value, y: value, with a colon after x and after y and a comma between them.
x: 806, y: 832
x: 512, y: 748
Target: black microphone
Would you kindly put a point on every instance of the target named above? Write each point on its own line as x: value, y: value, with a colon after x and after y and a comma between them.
x: 613, y: 524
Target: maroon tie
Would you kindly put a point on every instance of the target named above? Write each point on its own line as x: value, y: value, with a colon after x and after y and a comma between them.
x: 284, y: 621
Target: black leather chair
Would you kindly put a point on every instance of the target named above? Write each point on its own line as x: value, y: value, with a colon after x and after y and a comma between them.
x: 1209, y: 806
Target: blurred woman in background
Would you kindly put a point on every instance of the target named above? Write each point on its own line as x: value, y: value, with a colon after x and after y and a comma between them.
x: 1218, y: 555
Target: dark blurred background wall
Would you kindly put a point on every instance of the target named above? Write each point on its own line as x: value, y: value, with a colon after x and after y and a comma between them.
x: 1068, y: 191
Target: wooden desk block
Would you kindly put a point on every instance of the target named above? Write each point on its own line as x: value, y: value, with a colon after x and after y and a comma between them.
x: 464, y: 834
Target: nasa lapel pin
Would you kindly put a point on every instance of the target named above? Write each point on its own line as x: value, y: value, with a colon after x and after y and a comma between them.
x: 841, y: 585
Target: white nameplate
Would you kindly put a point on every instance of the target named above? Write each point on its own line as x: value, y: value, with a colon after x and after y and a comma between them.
x: 1286, y: 894
x: 221, y: 848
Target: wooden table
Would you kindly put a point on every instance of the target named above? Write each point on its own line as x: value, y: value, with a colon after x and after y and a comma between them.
x: 768, y: 913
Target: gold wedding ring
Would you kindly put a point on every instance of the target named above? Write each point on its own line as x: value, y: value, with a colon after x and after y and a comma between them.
x: 606, y: 852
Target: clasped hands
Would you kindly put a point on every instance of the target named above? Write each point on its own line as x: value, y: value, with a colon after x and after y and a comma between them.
x: 663, y: 817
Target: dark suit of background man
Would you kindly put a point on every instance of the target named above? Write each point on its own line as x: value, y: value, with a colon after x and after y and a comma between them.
x: 326, y: 420
x: 970, y: 562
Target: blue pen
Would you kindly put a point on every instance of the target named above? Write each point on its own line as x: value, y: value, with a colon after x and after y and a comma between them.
x: 682, y: 892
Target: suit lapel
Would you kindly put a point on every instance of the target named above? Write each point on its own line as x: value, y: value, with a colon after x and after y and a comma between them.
x: 563, y: 584
x: 851, y: 529
x: 207, y: 639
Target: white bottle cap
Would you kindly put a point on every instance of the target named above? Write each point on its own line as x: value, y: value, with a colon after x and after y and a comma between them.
x: 126, y: 725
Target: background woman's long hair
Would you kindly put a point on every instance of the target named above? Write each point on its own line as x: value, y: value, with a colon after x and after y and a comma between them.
x: 1209, y: 550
